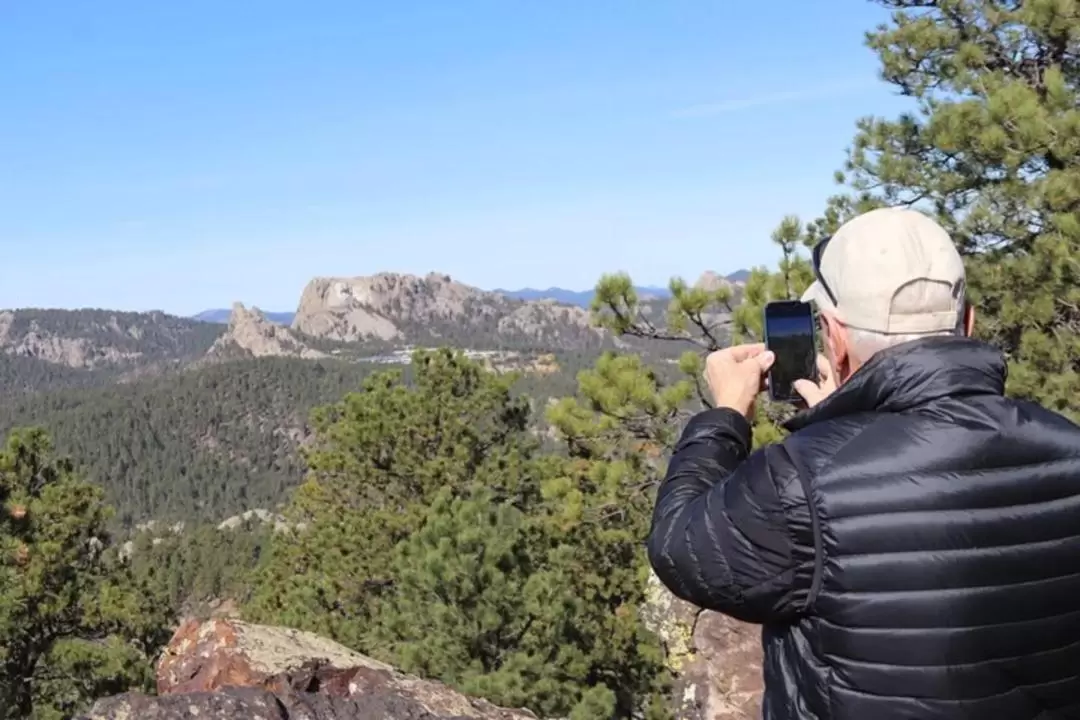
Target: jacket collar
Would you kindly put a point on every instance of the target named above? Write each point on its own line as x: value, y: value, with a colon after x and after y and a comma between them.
x: 911, y: 374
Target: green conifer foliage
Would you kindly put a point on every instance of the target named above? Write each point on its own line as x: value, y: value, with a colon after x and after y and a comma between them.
x: 707, y: 319
x: 436, y: 537
x: 991, y: 148
x: 74, y: 625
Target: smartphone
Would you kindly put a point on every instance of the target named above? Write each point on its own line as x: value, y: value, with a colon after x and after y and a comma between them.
x: 789, y: 334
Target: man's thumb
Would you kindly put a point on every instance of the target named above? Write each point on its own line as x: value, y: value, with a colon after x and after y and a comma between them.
x: 809, y: 391
x: 766, y: 360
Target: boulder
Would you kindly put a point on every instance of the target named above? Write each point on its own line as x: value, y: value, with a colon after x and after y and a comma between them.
x: 227, y: 705
x: 224, y: 668
x: 716, y: 659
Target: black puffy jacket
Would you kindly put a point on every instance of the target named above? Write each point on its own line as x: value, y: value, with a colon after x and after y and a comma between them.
x: 912, y: 549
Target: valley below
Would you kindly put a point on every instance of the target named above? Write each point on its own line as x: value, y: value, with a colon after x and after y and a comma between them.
x: 191, y: 419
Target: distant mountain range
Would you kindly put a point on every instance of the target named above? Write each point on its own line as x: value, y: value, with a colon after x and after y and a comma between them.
x: 344, y: 318
x: 580, y: 298
x: 221, y: 316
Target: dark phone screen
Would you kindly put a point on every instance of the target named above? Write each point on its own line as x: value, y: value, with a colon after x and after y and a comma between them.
x: 789, y: 333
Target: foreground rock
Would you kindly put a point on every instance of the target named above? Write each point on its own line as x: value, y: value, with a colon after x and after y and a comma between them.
x: 229, y: 669
x: 716, y: 660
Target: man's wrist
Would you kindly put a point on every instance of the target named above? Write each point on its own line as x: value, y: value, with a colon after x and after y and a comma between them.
x: 733, y: 424
x: 735, y: 405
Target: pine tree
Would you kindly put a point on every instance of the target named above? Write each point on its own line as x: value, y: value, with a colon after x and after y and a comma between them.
x: 991, y: 148
x: 433, y: 535
x: 710, y: 318
x: 379, y: 459
x: 73, y: 624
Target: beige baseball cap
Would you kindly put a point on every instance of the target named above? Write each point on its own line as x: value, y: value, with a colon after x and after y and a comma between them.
x: 878, y: 266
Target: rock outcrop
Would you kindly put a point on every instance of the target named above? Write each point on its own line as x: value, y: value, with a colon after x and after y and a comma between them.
x: 410, y: 309
x: 7, y: 319
x: 258, y: 515
x: 39, y: 342
x: 348, y: 309
x: 541, y: 318
x: 251, y: 333
x: 72, y: 352
x: 711, y: 281
x: 716, y: 660
x: 225, y: 668
x: 102, y: 339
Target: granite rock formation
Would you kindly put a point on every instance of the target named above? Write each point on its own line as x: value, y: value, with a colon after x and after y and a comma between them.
x: 224, y: 668
x: 251, y: 333
x: 397, y: 308
x: 716, y: 659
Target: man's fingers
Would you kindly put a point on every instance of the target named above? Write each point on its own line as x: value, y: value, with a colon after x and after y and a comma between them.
x: 765, y: 360
x: 808, y: 391
x: 738, y: 353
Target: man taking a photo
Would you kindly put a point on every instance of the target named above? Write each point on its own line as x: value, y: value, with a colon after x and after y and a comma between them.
x: 912, y: 548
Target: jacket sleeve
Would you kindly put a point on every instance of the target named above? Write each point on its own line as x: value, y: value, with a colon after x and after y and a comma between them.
x: 721, y: 537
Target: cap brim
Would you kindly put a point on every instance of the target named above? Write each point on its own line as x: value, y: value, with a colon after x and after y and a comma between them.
x: 816, y: 294
x: 819, y: 298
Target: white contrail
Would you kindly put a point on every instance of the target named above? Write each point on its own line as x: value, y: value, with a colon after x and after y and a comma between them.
x: 814, y: 92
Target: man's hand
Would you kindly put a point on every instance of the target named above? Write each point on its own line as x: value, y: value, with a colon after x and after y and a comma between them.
x: 812, y: 392
x: 736, y: 375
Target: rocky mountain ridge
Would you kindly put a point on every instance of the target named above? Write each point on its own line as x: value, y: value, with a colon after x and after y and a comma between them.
x: 337, y: 317
x: 93, y: 339
x: 435, y: 308
x: 221, y: 316
x: 580, y: 298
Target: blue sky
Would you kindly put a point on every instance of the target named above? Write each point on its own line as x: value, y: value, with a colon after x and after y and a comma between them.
x: 182, y: 155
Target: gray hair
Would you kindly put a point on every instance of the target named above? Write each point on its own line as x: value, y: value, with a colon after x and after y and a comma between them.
x: 863, y: 344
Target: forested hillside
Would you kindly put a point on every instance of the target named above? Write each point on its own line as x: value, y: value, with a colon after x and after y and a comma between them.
x: 176, y: 420
x: 189, y: 445
x: 104, y: 339
x: 44, y: 350
x: 209, y: 442
x: 21, y: 375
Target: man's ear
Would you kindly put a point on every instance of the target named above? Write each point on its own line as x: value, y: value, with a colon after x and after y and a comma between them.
x: 969, y: 319
x: 835, y: 341
x: 831, y: 337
